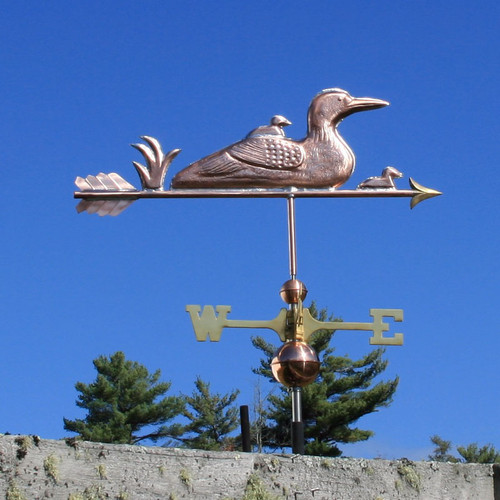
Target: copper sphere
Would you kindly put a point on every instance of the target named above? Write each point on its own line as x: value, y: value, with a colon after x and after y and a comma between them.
x: 295, y: 364
x: 292, y: 291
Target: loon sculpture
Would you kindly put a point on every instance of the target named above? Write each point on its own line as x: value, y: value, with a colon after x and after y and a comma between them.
x: 265, y: 163
x: 321, y: 160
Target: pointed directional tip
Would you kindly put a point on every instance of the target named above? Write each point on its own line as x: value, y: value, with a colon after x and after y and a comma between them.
x: 421, y: 193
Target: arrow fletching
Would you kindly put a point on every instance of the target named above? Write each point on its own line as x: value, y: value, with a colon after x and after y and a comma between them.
x: 104, y: 183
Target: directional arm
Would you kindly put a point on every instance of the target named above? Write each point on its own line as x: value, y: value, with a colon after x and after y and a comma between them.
x: 210, y: 323
x: 378, y: 327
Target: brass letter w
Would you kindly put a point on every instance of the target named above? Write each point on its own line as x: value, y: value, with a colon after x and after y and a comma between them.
x: 208, y: 323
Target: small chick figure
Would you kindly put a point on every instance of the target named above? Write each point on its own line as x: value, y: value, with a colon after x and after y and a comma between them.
x: 385, y: 181
x: 274, y: 128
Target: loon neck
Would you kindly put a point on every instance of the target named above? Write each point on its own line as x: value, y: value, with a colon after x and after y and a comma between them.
x: 324, y: 133
x: 328, y: 137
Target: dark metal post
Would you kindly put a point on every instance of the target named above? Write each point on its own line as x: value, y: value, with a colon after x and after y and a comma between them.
x: 297, y: 423
x: 496, y: 481
x: 245, y: 429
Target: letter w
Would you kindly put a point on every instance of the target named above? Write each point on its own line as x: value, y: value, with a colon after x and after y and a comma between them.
x: 208, y: 323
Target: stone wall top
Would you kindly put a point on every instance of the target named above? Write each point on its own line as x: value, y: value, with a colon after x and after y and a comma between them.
x: 32, y: 468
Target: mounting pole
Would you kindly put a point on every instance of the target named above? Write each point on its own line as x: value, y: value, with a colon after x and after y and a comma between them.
x: 297, y: 423
x: 292, y: 245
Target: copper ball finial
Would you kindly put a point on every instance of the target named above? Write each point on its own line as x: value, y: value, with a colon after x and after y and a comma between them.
x: 292, y: 291
x: 295, y: 364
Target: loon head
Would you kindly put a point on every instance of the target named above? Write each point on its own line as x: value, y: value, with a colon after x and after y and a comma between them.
x: 331, y: 106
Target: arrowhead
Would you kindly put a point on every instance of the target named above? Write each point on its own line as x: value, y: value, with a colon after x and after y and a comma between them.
x: 421, y: 193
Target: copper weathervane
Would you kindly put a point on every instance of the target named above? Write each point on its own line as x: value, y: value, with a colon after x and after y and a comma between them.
x: 267, y: 164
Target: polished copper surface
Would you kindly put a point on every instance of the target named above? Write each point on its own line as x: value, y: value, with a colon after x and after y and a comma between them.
x: 295, y: 364
x: 321, y: 159
x: 153, y: 174
x: 292, y: 291
x: 265, y: 164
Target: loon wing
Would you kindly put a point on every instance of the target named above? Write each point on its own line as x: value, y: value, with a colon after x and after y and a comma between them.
x: 271, y: 152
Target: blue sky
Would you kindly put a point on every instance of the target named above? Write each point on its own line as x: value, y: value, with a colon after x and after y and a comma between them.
x: 82, y: 81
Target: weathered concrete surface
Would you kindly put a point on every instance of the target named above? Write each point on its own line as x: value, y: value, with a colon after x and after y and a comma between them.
x: 33, y: 468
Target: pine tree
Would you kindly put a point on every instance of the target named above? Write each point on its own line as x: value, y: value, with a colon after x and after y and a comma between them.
x: 442, y: 450
x: 342, y: 393
x: 122, y: 400
x: 471, y: 453
x: 211, y: 419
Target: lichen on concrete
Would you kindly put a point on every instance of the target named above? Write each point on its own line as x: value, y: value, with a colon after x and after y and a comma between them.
x: 101, y: 470
x: 93, y: 492
x: 256, y: 490
x: 406, y: 469
x: 185, y: 477
x: 50, y: 466
x: 14, y: 492
x: 24, y: 443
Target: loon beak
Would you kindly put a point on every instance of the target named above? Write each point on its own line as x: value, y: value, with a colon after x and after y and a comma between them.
x: 365, y: 103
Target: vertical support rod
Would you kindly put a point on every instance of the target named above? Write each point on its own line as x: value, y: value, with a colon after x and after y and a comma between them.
x: 292, y: 245
x: 297, y: 423
x: 245, y: 429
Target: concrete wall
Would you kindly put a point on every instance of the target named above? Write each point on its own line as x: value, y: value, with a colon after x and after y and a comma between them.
x: 33, y: 468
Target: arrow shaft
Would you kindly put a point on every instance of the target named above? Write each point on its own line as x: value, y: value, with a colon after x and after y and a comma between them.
x: 246, y: 193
